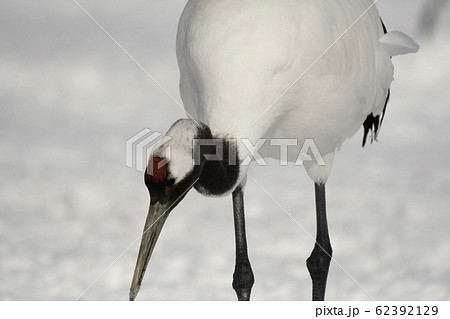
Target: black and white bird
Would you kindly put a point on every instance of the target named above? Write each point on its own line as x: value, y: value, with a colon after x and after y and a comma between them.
x: 255, y: 70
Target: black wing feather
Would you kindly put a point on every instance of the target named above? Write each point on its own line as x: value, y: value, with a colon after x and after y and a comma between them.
x: 373, y: 123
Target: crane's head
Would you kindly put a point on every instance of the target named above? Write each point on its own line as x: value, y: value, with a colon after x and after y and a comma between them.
x: 174, y: 168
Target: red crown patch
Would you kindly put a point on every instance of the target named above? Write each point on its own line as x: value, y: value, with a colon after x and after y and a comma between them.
x: 157, y: 169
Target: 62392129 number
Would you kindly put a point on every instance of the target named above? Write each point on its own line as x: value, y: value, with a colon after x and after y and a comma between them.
x: 407, y: 310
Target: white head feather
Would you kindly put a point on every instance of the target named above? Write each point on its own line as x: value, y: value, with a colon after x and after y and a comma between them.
x: 178, y: 149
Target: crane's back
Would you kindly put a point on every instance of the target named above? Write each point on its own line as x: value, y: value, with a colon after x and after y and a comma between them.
x: 286, y: 69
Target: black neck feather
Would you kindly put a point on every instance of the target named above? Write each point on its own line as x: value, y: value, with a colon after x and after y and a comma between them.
x: 220, y: 171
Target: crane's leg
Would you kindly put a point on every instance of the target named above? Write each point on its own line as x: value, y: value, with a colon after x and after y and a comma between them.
x: 243, y: 275
x: 319, y: 261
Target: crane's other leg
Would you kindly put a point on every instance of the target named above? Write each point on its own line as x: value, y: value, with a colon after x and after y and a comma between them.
x: 243, y: 275
x: 319, y: 261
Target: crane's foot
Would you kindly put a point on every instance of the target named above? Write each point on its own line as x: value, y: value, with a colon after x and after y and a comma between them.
x: 243, y: 280
x: 318, y: 265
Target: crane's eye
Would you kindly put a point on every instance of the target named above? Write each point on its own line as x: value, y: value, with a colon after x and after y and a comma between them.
x: 168, y: 186
x: 170, y: 182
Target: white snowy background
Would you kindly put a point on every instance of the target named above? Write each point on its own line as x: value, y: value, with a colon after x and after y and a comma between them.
x: 69, y: 206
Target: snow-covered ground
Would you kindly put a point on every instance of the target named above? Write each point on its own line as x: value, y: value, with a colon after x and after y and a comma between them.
x: 69, y: 206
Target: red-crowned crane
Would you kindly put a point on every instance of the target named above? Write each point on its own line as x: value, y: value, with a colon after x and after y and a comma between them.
x: 253, y: 70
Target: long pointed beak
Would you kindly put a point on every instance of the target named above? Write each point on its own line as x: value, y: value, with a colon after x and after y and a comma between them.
x: 156, y: 218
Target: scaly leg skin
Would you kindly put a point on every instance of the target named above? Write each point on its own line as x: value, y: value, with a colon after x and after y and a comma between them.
x: 243, y: 278
x: 319, y: 261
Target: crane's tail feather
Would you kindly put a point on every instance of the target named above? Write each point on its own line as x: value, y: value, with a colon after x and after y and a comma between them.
x: 393, y: 43
x: 397, y: 43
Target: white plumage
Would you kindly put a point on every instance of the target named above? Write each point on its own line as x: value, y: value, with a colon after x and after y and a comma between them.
x: 237, y: 57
